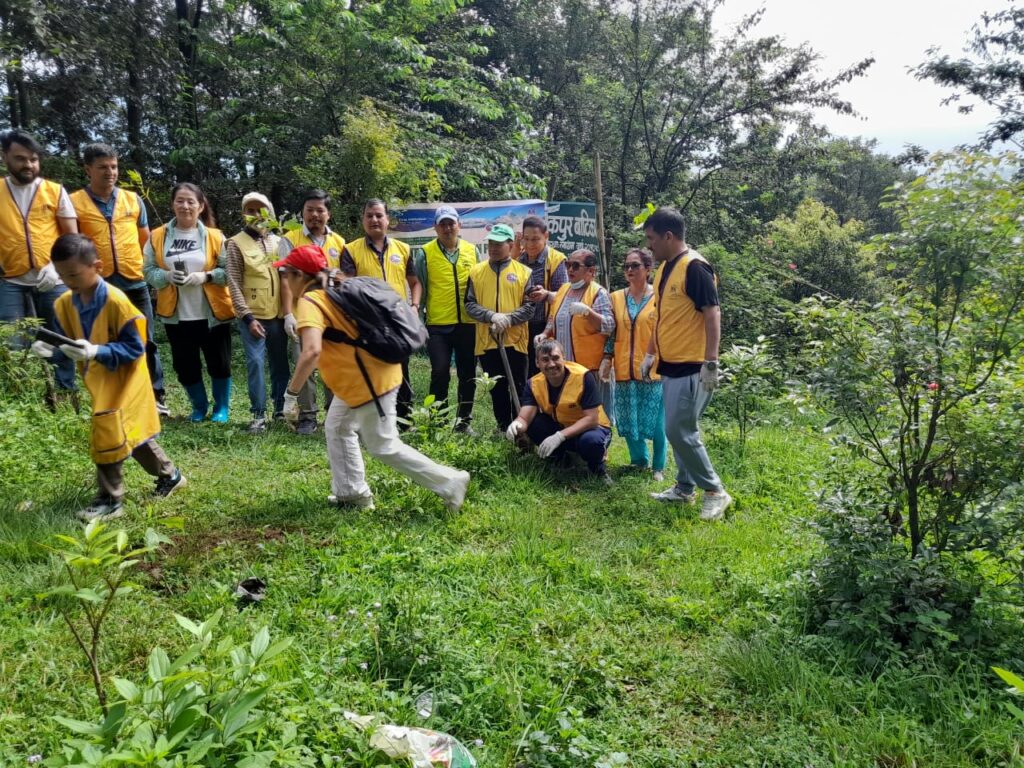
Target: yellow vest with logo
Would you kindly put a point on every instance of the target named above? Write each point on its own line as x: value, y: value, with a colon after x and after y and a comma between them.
x: 555, y: 257
x: 333, y: 245
x: 338, y: 365
x: 506, y: 298
x: 218, y: 296
x: 25, y: 241
x: 587, y: 344
x: 632, y: 338
x: 123, y: 406
x: 446, y: 283
x: 261, y: 283
x: 396, y: 260
x: 680, y: 335
x: 117, y: 240
x: 568, y: 410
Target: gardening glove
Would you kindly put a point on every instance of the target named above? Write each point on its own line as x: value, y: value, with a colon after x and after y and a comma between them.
x: 513, y: 430
x: 550, y: 445
x: 579, y: 308
x: 645, y: 368
x: 709, y: 376
x: 291, y: 326
x: 194, y: 278
x: 500, y: 322
x: 80, y: 351
x: 42, y: 349
x: 604, y: 373
x: 291, y: 408
x: 48, y: 279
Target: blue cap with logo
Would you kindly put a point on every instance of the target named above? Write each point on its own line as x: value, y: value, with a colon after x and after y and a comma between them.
x: 446, y: 212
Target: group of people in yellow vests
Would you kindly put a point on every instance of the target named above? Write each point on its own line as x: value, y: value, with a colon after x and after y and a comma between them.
x: 568, y: 357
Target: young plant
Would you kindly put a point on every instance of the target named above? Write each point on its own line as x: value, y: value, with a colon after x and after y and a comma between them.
x: 96, y: 567
x: 749, y: 373
x: 429, y: 422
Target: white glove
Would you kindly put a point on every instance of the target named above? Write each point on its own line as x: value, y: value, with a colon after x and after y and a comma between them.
x: 48, y: 279
x: 645, y: 368
x: 291, y: 326
x: 514, y: 429
x: 550, y: 445
x: 42, y: 349
x: 604, y: 373
x: 194, y: 278
x: 291, y: 408
x: 80, y: 351
x: 579, y: 308
x: 709, y: 378
x: 500, y: 322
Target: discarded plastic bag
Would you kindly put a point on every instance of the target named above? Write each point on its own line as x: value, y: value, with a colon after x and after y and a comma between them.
x: 422, y: 747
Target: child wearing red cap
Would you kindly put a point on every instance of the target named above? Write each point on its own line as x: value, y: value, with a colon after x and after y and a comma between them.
x: 352, y: 416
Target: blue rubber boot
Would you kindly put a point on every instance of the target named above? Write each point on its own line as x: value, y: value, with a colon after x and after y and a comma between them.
x: 200, y: 403
x: 221, y: 400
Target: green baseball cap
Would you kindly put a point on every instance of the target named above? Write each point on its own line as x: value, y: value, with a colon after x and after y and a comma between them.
x: 501, y: 233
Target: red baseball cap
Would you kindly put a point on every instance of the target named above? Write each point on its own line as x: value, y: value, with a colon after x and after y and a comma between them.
x: 305, y: 258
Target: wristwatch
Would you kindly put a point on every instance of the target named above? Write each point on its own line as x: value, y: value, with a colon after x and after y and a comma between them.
x: 711, y: 365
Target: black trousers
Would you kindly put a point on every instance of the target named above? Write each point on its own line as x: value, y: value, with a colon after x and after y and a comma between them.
x: 403, y: 405
x: 501, y: 396
x: 460, y: 341
x: 191, y: 337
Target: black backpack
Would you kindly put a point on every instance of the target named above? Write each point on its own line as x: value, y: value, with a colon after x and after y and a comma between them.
x: 389, y: 328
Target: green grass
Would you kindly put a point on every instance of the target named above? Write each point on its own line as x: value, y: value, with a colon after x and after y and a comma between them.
x: 549, y: 614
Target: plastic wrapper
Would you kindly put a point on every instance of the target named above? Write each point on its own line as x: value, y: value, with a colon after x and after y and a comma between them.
x: 422, y: 747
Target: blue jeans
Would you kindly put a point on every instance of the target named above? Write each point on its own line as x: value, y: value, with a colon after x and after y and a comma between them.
x: 139, y: 296
x: 590, y: 445
x: 20, y: 301
x: 274, y: 351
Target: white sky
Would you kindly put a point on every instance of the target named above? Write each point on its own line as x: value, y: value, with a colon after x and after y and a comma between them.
x: 895, y: 108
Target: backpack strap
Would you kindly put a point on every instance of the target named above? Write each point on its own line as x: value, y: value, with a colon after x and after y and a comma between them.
x: 340, y: 337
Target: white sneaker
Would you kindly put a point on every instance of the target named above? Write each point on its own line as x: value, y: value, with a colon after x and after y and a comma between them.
x: 714, y: 505
x: 101, y: 510
x: 658, y: 476
x: 674, y: 495
x: 458, y: 486
x: 357, y: 502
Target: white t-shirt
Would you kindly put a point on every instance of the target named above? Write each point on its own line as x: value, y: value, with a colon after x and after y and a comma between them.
x: 185, y: 254
x: 23, y: 194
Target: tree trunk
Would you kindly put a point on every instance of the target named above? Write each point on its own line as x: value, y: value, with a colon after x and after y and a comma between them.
x: 134, y: 102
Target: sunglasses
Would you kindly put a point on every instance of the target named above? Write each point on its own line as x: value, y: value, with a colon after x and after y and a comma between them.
x: 571, y: 266
x: 632, y: 265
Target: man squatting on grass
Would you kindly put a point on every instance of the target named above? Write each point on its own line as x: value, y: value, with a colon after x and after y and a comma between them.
x: 352, y: 415
x: 110, y: 351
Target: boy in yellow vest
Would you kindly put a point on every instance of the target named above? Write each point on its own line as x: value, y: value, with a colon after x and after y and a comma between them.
x: 562, y: 412
x: 255, y: 287
x: 34, y: 212
x: 117, y: 222
x: 685, y: 342
x: 443, y: 266
x: 110, y: 353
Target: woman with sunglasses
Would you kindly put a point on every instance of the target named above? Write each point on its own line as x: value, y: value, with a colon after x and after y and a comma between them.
x: 639, y: 411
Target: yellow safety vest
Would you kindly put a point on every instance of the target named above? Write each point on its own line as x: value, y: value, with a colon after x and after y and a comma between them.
x: 446, y: 283
x: 333, y: 245
x: 514, y: 280
x: 25, y: 241
x: 123, y: 406
x: 587, y: 344
x: 396, y: 260
x: 117, y: 240
x: 338, y: 365
x: 680, y: 335
x: 218, y: 296
x: 632, y: 338
x: 568, y: 410
x: 261, y: 283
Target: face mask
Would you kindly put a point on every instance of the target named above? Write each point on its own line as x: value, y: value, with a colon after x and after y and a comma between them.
x: 577, y: 285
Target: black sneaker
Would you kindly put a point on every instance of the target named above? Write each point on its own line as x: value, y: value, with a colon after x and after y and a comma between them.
x: 165, y: 486
x: 306, y: 427
x: 161, y: 404
x: 101, y: 509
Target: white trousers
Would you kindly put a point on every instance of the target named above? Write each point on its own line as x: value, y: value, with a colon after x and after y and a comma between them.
x: 345, y: 427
